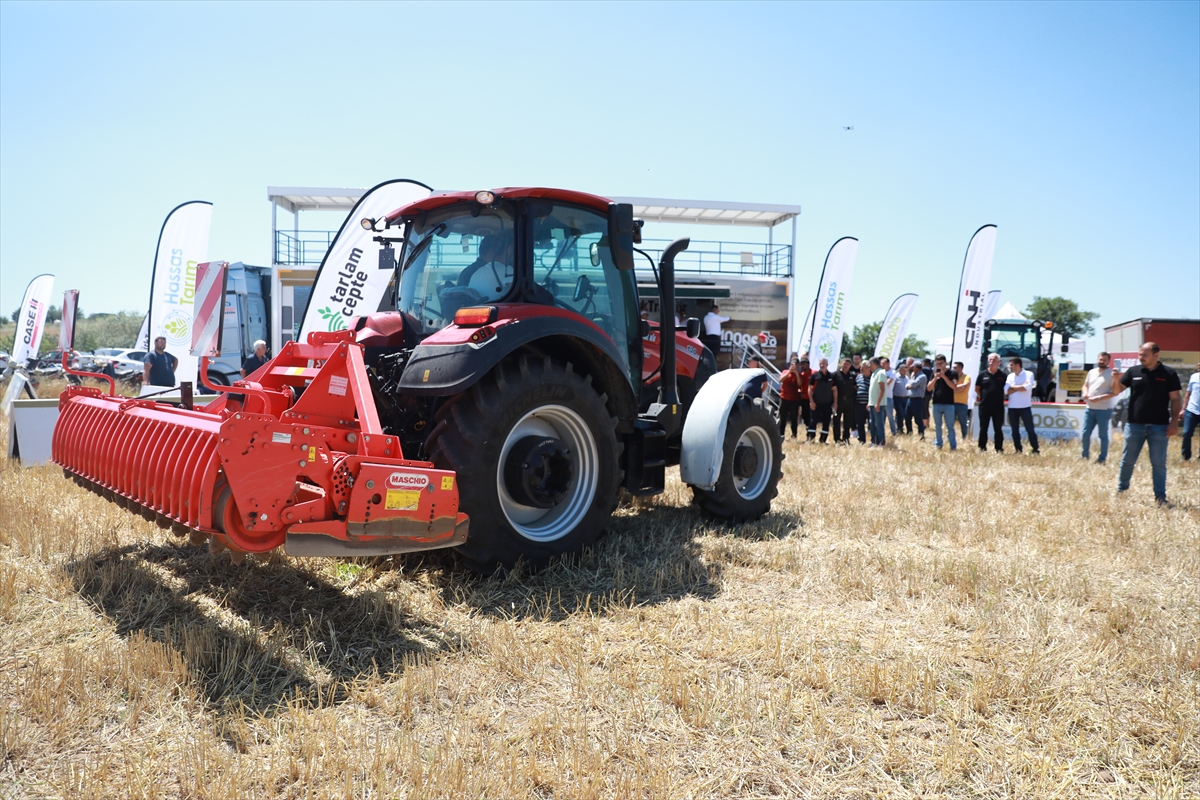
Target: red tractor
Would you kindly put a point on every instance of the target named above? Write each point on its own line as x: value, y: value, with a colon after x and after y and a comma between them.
x: 501, y: 408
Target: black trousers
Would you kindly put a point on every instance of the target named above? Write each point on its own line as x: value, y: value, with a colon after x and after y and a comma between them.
x: 806, y: 415
x: 860, y: 421
x: 843, y: 423
x: 995, y: 417
x: 916, y: 412
x: 1016, y: 416
x: 821, y: 415
x: 789, y: 412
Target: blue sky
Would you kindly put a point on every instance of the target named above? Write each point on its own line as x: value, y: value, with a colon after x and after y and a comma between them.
x: 1074, y: 127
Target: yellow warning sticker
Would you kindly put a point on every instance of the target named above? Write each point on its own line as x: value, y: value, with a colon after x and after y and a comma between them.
x: 312, y: 454
x: 294, y: 371
x: 425, y: 379
x: 402, y: 500
x: 447, y: 482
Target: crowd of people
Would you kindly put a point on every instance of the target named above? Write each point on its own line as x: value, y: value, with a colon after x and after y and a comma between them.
x: 868, y: 399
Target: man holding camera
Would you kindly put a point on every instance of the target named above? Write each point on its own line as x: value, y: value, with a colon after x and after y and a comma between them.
x: 945, y: 384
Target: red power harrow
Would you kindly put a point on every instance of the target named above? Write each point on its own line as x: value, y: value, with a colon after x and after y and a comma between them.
x: 294, y: 455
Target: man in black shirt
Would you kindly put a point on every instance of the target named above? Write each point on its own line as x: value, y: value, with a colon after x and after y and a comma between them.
x: 847, y: 391
x: 989, y: 394
x: 944, y: 383
x: 823, y: 394
x: 1153, y: 410
x: 160, y: 366
x: 255, y: 359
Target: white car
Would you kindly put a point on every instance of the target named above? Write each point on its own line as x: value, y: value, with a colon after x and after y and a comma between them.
x: 122, y: 358
x: 116, y: 352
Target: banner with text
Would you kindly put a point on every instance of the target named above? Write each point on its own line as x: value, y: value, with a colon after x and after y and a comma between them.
x: 830, y: 320
x: 972, y: 298
x: 895, y: 327
x: 31, y: 323
x: 182, y: 246
x: 349, y: 282
x: 143, y: 338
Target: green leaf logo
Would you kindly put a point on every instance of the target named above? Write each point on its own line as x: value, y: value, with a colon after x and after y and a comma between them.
x: 176, y: 328
x: 333, y: 319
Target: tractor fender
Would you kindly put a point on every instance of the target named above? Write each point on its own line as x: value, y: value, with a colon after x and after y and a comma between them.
x: 703, y: 445
x: 439, y: 369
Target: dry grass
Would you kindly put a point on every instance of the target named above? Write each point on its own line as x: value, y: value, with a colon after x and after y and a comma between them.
x: 906, y: 623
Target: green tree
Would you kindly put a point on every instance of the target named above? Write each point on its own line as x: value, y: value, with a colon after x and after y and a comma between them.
x: 108, y: 330
x: 1065, y: 315
x: 863, y: 338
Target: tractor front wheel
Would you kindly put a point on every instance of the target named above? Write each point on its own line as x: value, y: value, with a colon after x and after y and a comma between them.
x: 751, y: 465
x: 537, y: 462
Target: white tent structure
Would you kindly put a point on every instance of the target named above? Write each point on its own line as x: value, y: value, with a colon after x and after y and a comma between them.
x: 1009, y: 311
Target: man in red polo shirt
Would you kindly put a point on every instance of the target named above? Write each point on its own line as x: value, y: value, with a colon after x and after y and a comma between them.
x: 790, y: 396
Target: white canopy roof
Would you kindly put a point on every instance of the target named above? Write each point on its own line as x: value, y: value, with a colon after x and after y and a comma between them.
x: 651, y: 209
x: 709, y: 212
x: 309, y: 198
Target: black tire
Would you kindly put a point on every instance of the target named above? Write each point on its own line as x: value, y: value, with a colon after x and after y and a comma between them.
x: 477, y: 433
x: 738, y: 497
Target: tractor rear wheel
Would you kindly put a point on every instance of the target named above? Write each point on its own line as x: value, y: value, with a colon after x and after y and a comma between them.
x: 751, y: 465
x: 537, y: 462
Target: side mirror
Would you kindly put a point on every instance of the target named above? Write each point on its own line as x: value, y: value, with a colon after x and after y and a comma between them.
x: 583, y: 288
x: 594, y: 254
x: 620, y: 234
x: 693, y: 328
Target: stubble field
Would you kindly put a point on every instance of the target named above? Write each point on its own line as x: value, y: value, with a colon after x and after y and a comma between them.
x: 906, y: 623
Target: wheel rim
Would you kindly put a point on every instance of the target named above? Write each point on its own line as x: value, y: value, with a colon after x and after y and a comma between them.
x: 549, y: 524
x: 751, y: 485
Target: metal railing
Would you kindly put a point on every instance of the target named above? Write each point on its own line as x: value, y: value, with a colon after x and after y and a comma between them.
x: 307, y: 248
x: 302, y: 248
x: 727, y: 258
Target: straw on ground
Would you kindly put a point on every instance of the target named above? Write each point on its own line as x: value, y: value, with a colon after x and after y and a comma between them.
x: 905, y: 623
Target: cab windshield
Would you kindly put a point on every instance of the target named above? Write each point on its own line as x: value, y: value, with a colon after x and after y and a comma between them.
x: 1021, y: 342
x: 456, y: 257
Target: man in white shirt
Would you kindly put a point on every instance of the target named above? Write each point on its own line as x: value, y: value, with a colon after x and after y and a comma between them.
x: 1099, y: 395
x: 1018, y: 389
x: 891, y: 388
x: 712, y: 329
x: 1190, y: 415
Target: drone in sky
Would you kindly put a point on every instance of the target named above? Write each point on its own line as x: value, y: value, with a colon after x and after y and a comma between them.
x: 847, y: 127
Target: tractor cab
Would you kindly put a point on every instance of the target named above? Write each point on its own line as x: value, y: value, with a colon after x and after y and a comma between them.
x: 468, y: 250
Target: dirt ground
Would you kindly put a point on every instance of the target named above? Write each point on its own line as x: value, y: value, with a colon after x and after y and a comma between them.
x: 905, y: 623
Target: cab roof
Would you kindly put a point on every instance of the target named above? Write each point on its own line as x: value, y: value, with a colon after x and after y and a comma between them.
x: 442, y: 199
